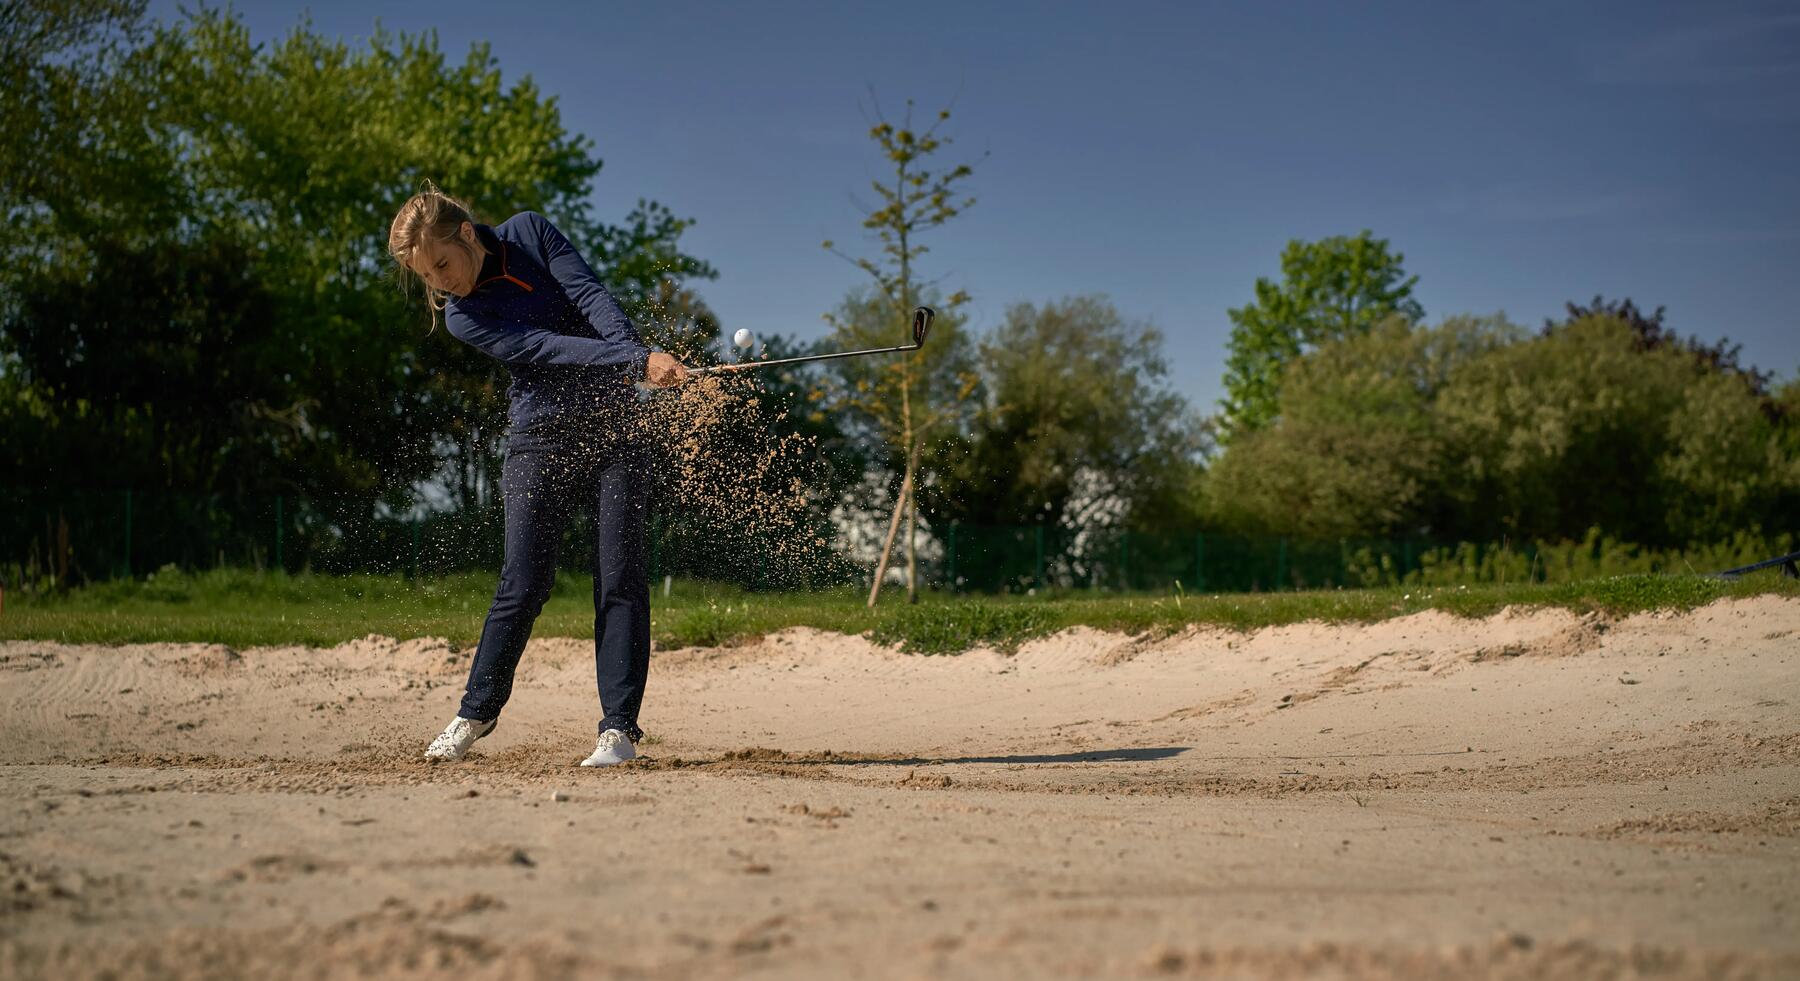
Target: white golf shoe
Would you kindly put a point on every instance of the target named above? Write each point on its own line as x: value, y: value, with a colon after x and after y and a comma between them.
x: 614, y: 747
x: 456, y: 739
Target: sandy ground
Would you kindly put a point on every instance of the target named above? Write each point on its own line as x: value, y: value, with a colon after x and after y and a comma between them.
x: 1536, y: 794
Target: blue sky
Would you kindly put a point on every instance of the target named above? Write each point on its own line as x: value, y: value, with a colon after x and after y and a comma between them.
x: 1520, y: 155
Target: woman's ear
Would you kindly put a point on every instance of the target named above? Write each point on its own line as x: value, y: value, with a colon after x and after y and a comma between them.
x: 467, y: 231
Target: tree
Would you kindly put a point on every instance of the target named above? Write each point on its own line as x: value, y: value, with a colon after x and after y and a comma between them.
x: 32, y: 31
x: 1331, y: 289
x: 646, y: 270
x: 1787, y: 420
x: 1651, y: 333
x: 1078, y: 429
x: 905, y: 399
x: 297, y: 153
x: 175, y: 350
x: 1359, y: 448
x: 1477, y: 431
x: 871, y: 406
x: 47, y: 47
x: 190, y: 142
x: 1581, y: 429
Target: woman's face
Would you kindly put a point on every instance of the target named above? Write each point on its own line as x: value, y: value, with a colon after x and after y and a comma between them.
x: 450, y: 266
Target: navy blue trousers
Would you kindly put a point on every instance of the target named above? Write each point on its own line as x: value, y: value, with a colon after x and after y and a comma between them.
x: 548, y: 475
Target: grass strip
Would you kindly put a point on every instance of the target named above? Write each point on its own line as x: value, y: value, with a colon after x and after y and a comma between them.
x: 244, y: 609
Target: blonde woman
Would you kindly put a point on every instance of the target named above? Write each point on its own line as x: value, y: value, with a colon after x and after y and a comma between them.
x: 521, y: 293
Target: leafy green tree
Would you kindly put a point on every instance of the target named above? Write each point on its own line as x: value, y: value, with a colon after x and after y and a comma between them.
x: 32, y: 31
x: 648, y: 273
x: 174, y: 350
x: 1730, y: 468
x: 1077, y: 429
x: 194, y: 142
x: 1787, y: 402
x: 47, y: 48
x: 871, y: 407
x: 1650, y: 332
x: 907, y: 400
x: 197, y: 296
x: 1331, y: 289
x: 1077, y: 417
x: 1359, y: 448
x: 1474, y: 431
x: 1583, y: 429
x: 1786, y: 418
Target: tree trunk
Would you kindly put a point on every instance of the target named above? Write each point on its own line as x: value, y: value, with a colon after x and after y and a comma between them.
x: 887, y: 543
x: 912, y: 545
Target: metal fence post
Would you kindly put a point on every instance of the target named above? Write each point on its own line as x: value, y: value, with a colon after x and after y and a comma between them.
x: 414, y: 574
x: 128, y: 531
x: 1039, y: 579
x: 1281, y: 565
x: 952, y: 556
x: 280, y: 533
x: 1199, y: 562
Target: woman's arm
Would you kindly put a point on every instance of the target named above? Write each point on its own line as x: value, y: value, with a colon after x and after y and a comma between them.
x: 578, y: 280
x: 618, y: 342
x: 517, y: 343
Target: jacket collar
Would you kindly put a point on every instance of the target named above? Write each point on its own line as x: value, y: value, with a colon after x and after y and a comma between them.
x: 494, y: 264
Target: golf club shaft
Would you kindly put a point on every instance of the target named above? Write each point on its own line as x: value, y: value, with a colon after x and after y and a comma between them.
x: 742, y: 366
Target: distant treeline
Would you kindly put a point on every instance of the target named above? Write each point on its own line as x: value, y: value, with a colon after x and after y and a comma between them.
x: 1475, y: 430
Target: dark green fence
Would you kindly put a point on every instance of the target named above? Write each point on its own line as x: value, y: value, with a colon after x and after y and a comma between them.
x: 89, y: 535
x: 1013, y: 558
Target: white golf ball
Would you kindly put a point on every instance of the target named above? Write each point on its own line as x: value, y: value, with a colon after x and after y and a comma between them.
x: 743, y: 337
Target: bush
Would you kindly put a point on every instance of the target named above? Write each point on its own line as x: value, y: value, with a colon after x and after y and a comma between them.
x: 1596, y: 556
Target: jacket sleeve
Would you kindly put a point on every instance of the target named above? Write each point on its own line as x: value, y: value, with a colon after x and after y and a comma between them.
x: 579, y: 282
x: 513, y: 342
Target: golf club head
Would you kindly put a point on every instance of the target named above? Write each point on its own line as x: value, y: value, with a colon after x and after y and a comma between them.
x: 921, y: 324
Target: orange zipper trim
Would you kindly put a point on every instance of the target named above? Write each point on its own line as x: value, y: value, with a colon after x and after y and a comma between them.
x: 509, y: 277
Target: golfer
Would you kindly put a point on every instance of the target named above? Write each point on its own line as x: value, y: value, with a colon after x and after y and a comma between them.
x: 521, y: 294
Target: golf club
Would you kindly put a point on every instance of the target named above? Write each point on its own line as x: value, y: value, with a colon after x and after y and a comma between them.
x: 921, y: 325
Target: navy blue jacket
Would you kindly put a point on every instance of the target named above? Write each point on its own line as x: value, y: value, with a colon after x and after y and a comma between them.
x: 538, y: 308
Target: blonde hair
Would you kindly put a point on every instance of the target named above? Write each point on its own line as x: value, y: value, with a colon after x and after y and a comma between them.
x: 428, y: 215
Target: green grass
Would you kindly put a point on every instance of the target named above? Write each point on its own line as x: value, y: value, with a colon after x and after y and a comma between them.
x: 245, y: 609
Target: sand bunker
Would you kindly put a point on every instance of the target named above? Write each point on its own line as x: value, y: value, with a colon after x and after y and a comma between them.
x: 1535, y: 794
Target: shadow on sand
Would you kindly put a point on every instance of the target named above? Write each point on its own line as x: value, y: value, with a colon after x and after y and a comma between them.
x: 1090, y: 756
